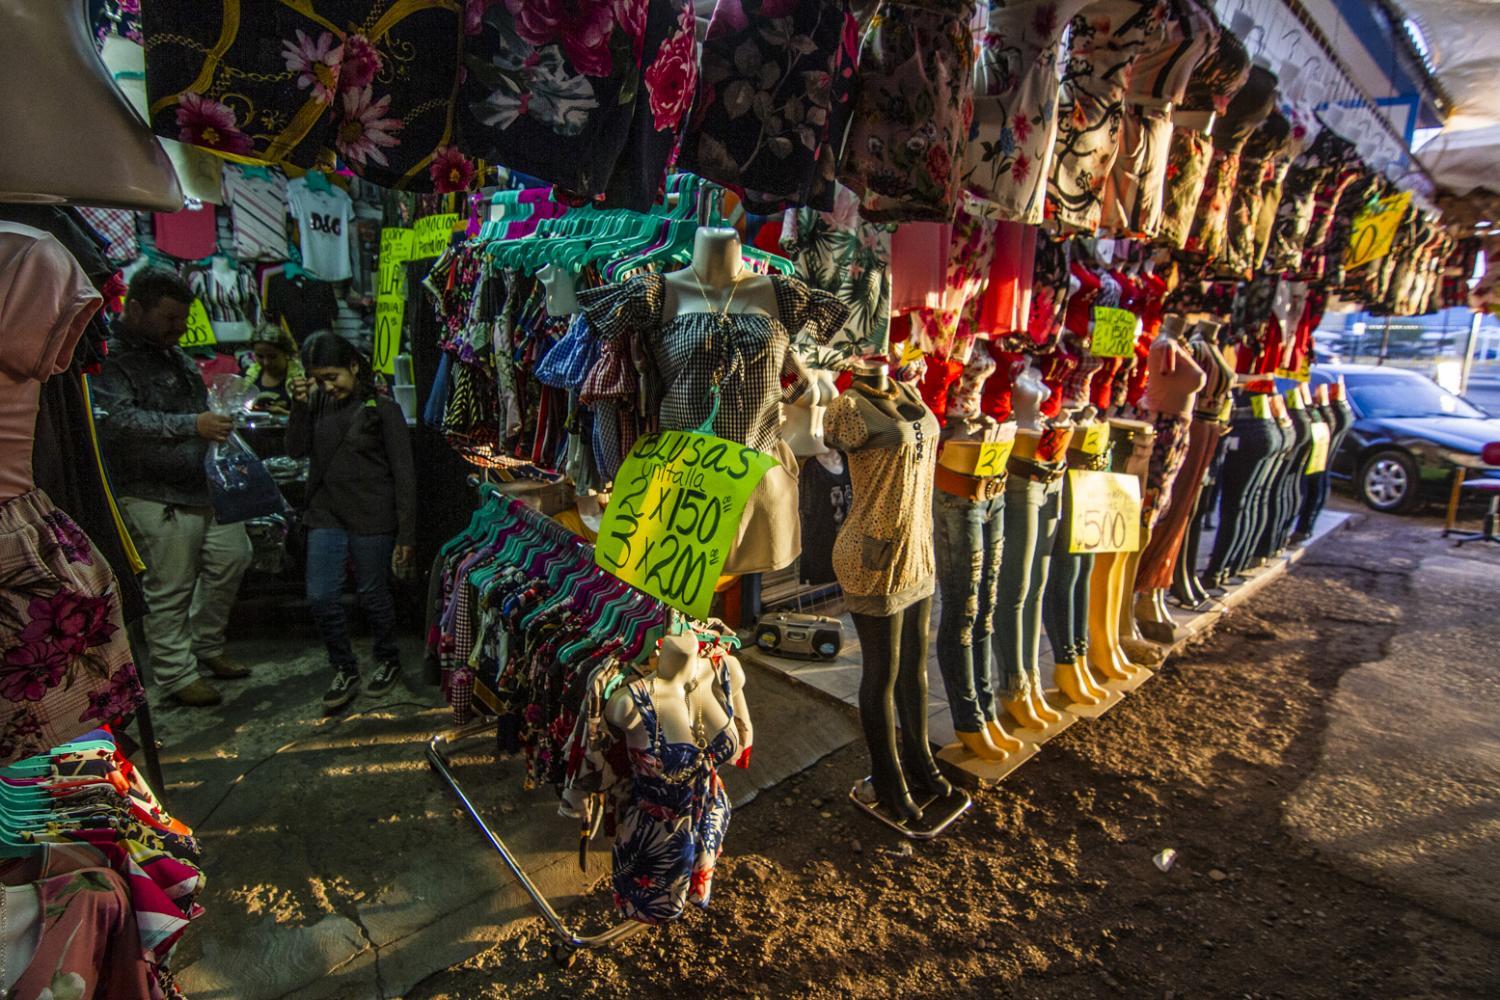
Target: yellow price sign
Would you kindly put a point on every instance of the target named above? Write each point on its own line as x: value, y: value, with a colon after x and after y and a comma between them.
x: 1114, y: 332
x: 1095, y: 439
x: 1302, y: 373
x: 1317, y: 459
x: 390, y: 313
x: 1375, y: 229
x: 200, y: 332
x: 432, y: 234
x: 395, y: 250
x: 675, y: 514
x: 991, y: 457
x: 1106, y: 512
x: 1260, y: 406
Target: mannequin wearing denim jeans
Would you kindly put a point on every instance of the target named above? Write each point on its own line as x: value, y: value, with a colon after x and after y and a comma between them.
x: 1250, y: 446
x: 1033, y: 504
x: 1339, y: 417
x: 1065, y: 604
x: 1288, y: 488
x: 1263, y: 542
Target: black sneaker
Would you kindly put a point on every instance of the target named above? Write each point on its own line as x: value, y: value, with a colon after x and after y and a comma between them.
x: 341, y: 692
x: 384, y: 678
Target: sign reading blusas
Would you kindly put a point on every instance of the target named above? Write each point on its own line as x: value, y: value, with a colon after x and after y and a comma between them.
x: 1106, y: 512
x: 1114, y: 332
x: 675, y: 513
x: 200, y: 332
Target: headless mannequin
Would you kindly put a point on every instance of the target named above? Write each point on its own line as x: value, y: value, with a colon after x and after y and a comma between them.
x: 50, y: 74
x: 802, y: 419
x: 1069, y: 580
x: 1107, y: 591
x: 1186, y: 587
x: 686, y: 697
x: 562, y: 293
x: 893, y: 681
x: 717, y: 280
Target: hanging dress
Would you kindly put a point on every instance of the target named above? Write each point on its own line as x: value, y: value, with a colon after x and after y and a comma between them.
x: 672, y: 816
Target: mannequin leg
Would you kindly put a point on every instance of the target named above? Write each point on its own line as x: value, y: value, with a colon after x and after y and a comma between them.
x: 1104, y: 652
x: 917, y: 766
x: 880, y: 642
x: 959, y: 547
x: 1061, y: 622
x: 1047, y: 520
x: 993, y: 547
x: 1082, y: 586
x: 1023, y: 501
x: 1244, y: 460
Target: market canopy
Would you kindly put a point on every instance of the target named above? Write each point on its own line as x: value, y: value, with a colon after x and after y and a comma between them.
x: 1463, y: 39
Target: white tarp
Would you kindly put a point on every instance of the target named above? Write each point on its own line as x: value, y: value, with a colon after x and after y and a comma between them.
x: 1463, y: 40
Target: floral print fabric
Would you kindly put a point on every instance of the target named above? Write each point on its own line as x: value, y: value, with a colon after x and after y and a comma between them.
x: 948, y: 331
x: 65, y: 663
x: 673, y: 816
x: 372, y: 83
x: 913, y: 111
x: 1246, y: 112
x: 773, y: 101
x: 1328, y: 156
x: 1103, y: 45
x: 1217, y: 79
x: 1260, y: 162
x: 842, y: 254
x: 573, y: 90
x: 1015, y: 105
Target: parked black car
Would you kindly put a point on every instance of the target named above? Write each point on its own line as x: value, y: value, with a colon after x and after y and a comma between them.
x: 1409, y: 436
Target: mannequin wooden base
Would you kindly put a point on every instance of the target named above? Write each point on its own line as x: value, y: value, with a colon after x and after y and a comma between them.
x: 1027, y: 734
x: 987, y: 771
x: 1113, y: 695
x: 937, y: 814
x: 1134, y: 681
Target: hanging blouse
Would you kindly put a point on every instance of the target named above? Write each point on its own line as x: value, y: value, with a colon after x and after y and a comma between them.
x: 1015, y: 105
x: 1259, y: 160
x: 751, y: 353
x: 1253, y: 104
x: 1158, y: 80
x: 300, y: 83
x: 845, y: 255
x: 1217, y: 79
x: 1102, y: 47
x: 948, y: 330
x: 912, y: 114
x: 565, y: 92
x: 773, y: 101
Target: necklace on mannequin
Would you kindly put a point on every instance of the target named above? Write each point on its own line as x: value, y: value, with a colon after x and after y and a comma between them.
x: 723, y: 311
x: 700, y: 732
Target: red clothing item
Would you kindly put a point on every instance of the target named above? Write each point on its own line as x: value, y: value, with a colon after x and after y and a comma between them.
x: 189, y: 234
x: 1056, y: 367
x: 1101, y: 384
x: 1135, y: 386
x: 1152, y: 305
x: 1080, y: 310
x: 995, y: 401
x: 940, y: 376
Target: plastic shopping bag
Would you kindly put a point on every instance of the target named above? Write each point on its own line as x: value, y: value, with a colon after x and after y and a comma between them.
x: 239, y: 484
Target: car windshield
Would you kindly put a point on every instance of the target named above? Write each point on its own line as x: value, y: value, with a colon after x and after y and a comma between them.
x: 1405, y: 396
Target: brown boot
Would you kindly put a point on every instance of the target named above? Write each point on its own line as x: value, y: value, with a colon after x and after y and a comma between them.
x: 223, y: 667
x: 199, y: 694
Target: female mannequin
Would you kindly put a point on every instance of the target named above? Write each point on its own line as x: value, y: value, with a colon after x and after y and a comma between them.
x: 1338, y: 416
x: 969, y: 517
x: 1254, y: 440
x: 802, y: 419
x: 70, y: 85
x: 1066, y: 602
x: 562, y: 294
x: 1107, y: 585
x: 1210, y: 421
x: 1033, y: 503
x: 719, y: 343
x: 883, y: 558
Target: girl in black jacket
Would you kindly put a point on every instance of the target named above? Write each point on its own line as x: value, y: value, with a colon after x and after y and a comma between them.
x: 361, y: 505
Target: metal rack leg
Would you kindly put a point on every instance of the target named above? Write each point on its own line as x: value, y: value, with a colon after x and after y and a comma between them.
x: 567, y: 940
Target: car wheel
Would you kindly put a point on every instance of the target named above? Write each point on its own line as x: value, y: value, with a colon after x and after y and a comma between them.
x: 1388, y: 481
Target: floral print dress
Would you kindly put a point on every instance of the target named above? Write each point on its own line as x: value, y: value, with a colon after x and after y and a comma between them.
x: 1253, y: 104
x: 1103, y: 45
x: 773, y: 101
x: 1217, y: 79
x: 263, y: 80
x: 574, y: 91
x: 1015, y: 105
x: 672, y: 815
x: 912, y: 114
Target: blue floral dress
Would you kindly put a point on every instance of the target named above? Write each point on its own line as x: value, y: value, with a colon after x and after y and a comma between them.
x: 672, y: 817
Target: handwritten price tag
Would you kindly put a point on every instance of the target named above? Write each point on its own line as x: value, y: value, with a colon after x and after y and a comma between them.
x: 390, y: 312
x: 1106, y: 512
x: 432, y: 234
x: 1114, y: 333
x: 1260, y: 406
x: 1095, y: 439
x: 1302, y: 373
x: 200, y: 332
x: 1317, y: 459
x: 675, y: 513
x: 1375, y: 229
x: 980, y: 460
x: 395, y: 250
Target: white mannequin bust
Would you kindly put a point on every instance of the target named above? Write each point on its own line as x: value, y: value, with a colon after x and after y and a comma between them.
x: 684, y: 691
x: 1027, y: 395
x: 717, y: 280
x: 562, y: 293
x: 802, y: 419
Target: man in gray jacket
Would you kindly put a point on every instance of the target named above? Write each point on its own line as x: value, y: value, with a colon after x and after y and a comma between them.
x: 155, y: 428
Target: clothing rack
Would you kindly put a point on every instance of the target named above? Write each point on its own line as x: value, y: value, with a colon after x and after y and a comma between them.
x: 567, y: 941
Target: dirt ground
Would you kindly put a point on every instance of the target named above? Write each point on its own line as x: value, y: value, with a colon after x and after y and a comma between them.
x: 1047, y: 888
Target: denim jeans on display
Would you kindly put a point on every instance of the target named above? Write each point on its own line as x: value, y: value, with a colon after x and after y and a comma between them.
x: 968, y: 537
x: 1315, y: 486
x: 1065, y: 604
x: 1248, y: 450
x: 329, y: 554
x: 1291, y: 480
x: 1031, y: 514
x: 1265, y: 539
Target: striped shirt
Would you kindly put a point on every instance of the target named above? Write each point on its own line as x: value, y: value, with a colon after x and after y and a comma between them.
x: 257, y: 210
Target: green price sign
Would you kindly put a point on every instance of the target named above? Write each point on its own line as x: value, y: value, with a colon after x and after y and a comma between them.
x: 395, y: 251
x: 200, y: 332
x: 432, y: 234
x: 390, y: 312
x: 1114, y: 332
x: 675, y: 513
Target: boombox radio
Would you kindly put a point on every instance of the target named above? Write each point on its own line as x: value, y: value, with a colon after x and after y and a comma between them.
x: 811, y: 637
